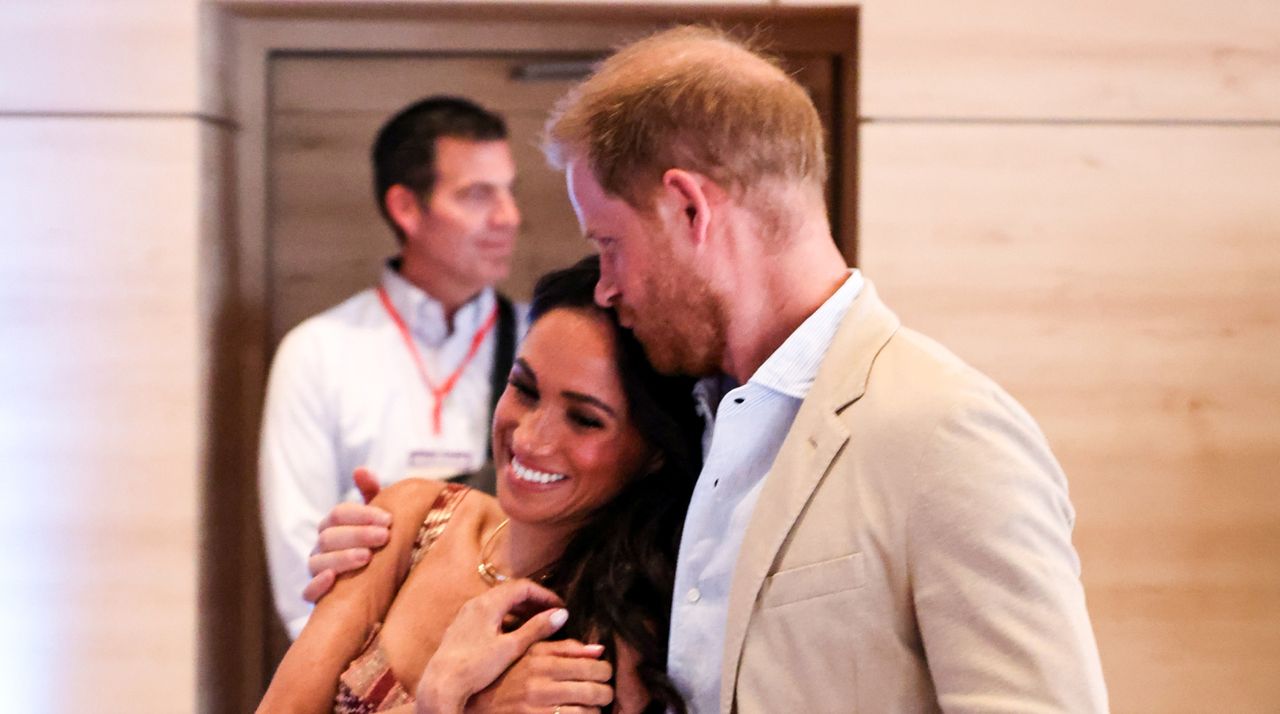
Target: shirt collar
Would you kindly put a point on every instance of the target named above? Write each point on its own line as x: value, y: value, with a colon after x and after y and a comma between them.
x: 792, y: 367
x: 708, y: 391
x: 425, y: 315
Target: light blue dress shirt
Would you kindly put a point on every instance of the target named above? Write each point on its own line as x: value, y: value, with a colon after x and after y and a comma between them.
x: 742, y: 438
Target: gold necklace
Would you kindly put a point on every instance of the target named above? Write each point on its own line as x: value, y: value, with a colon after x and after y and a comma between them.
x: 488, y: 571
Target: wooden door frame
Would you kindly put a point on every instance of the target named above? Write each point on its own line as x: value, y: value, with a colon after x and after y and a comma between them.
x: 247, y: 36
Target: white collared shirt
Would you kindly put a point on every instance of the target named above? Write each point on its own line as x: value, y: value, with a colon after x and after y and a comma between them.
x: 742, y: 439
x: 344, y: 392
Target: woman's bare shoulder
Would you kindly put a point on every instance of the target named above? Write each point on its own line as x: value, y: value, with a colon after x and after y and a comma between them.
x: 409, y: 500
x: 409, y: 495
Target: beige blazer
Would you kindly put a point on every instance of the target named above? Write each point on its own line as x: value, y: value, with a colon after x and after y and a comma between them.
x: 911, y: 547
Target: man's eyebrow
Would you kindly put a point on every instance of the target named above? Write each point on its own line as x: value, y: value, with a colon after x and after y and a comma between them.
x: 580, y: 397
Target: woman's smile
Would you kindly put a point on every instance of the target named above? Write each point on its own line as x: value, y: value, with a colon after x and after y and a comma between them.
x: 562, y: 432
x: 532, y: 475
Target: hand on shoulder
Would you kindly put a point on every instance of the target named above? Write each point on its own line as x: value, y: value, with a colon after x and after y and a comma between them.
x: 351, y: 532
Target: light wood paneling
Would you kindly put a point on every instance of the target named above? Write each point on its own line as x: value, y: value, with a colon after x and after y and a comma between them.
x: 232, y: 569
x: 415, y: 8
x: 1089, y: 59
x: 123, y: 56
x: 1124, y: 283
x: 100, y: 412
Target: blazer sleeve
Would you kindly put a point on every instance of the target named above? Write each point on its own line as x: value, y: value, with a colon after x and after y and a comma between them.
x: 995, y: 579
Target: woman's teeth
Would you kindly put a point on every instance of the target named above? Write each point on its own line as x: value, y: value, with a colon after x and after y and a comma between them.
x: 524, y: 473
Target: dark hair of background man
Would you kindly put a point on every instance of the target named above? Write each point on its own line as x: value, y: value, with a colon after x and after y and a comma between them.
x: 404, y: 151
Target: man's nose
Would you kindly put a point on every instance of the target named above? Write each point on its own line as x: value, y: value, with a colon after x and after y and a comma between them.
x: 507, y: 213
x: 606, y: 288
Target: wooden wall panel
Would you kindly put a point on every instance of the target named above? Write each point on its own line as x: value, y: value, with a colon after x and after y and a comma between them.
x: 87, y: 56
x: 232, y: 579
x: 1124, y: 284
x: 100, y: 413
x: 1089, y: 59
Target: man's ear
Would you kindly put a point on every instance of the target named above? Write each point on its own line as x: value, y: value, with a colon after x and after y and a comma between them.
x: 404, y: 207
x: 689, y: 197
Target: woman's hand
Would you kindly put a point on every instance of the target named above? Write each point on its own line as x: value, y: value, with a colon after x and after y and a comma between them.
x: 565, y: 676
x: 475, y: 651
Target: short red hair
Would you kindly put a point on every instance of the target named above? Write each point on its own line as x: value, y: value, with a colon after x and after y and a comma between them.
x: 693, y: 98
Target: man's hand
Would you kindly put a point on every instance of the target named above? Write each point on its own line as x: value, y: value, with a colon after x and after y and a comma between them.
x: 347, y: 537
x: 565, y: 674
x: 475, y: 650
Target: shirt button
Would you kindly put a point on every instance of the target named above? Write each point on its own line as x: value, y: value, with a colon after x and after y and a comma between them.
x: 693, y: 595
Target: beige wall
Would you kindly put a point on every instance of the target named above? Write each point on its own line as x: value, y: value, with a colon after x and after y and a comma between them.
x: 101, y: 357
x: 1077, y: 197
x: 1083, y: 199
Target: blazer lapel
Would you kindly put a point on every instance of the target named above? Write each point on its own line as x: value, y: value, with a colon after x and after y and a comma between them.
x: 815, y: 439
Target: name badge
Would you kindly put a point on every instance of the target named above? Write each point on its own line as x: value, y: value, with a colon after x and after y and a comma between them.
x: 438, y: 463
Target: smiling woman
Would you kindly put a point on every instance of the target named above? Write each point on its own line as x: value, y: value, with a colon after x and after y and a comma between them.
x: 561, y: 430
x: 597, y: 455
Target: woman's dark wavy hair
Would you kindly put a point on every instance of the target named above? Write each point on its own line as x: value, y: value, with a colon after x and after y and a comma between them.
x: 617, y: 573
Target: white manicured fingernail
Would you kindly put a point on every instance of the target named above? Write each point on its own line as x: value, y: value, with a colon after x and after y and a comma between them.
x: 559, y: 617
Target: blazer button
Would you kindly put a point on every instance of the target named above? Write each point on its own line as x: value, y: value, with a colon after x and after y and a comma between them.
x: 693, y: 595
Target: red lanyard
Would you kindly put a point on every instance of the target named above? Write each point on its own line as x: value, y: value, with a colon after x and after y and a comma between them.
x: 437, y: 393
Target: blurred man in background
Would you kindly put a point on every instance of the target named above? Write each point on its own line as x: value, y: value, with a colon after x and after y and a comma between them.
x: 400, y: 378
